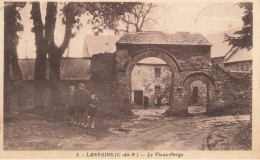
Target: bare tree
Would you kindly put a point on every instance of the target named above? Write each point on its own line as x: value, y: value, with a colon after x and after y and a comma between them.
x: 137, y: 17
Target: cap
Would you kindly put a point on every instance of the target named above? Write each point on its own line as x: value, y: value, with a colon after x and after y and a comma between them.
x: 82, y: 85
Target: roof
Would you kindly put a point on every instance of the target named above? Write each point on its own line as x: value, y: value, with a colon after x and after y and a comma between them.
x: 238, y: 55
x: 99, y: 44
x: 71, y: 68
x: 222, y: 49
x: 179, y: 38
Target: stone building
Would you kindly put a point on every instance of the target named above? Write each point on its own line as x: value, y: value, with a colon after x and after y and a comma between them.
x: 71, y: 69
x: 231, y: 59
x: 198, y: 80
x: 150, y: 80
x: 236, y: 60
x: 195, y: 81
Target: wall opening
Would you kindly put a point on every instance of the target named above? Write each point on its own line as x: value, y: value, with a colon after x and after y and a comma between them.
x: 195, y: 95
x: 199, y: 93
x: 153, y: 77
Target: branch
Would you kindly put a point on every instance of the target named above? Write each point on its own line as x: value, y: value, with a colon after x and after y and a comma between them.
x: 50, y: 21
x: 69, y: 22
x: 128, y: 22
x: 145, y: 14
x: 67, y: 37
x: 37, y: 26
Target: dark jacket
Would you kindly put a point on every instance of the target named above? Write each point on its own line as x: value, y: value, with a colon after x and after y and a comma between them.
x: 71, y: 99
x: 82, y: 98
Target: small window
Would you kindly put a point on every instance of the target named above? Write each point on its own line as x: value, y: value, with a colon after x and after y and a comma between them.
x: 139, y: 71
x: 157, y: 90
x: 157, y: 72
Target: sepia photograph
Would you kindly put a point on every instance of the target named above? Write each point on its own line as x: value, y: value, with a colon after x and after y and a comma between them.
x: 124, y: 76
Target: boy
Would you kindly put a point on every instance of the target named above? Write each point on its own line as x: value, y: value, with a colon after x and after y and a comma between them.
x: 70, y: 103
x: 81, y: 101
x: 92, y: 111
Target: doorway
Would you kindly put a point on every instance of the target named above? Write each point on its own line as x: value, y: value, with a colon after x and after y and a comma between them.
x: 138, y: 97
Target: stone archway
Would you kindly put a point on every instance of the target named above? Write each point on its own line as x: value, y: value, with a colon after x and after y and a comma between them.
x: 162, y: 54
x: 206, y: 89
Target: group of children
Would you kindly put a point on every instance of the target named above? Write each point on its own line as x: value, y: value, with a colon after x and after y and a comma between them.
x: 82, y: 106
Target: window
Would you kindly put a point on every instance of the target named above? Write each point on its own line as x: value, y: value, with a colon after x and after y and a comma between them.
x: 139, y: 71
x: 157, y: 90
x: 157, y: 72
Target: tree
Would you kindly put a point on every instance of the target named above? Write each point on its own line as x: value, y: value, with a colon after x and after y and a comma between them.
x: 137, y: 17
x: 12, y: 27
x: 244, y: 37
x: 105, y: 15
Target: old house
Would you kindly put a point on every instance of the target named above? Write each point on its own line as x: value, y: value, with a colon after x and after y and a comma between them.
x: 231, y: 59
x: 150, y: 79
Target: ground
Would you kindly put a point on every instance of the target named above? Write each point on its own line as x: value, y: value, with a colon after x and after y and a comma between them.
x: 148, y: 130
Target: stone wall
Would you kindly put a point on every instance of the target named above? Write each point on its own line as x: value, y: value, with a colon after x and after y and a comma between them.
x: 143, y: 78
x: 189, y: 57
x: 219, y: 89
x: 111, y: 102
x: 242, y: 66
x: 218, y: 61
x: 103, y: 68
x: 234, y: 90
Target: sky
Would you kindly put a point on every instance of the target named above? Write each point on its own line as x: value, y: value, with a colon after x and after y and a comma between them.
x: 204, y: 18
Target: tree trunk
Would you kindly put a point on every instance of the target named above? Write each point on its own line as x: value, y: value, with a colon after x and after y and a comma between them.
x: 11, y: 27
x: 41, y: 57
x: 20, y: 89
x: 54, y: 77
x: 6, y: 81
x: 39, y: 81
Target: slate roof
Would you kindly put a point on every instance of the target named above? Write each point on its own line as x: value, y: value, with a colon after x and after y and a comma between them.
x: 238, y: 55
x: 71, y: 69
x: 222, y: 49
x: 179, y: 38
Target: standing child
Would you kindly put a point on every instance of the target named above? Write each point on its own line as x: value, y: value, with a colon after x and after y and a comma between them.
x: 70, y: 103
x: 92, y: 111
x: 81, y: 102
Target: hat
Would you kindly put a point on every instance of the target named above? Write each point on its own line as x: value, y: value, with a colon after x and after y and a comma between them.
x: 72, y: 87
x: 82, y: 85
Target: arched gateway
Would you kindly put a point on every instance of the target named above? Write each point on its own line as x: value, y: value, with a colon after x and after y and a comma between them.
x: 185, y: 53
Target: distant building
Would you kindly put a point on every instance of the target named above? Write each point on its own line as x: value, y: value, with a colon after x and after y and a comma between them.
x: 238, y: 60
x: 230, y: 59
x: 76, y: 68
x: 150, y: 80
x: 71, y: 69
x: 99, y: 44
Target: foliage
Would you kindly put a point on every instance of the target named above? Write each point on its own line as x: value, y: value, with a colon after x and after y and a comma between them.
x: 243, y: 37
x: 104, y: 16
x: 12, y: 20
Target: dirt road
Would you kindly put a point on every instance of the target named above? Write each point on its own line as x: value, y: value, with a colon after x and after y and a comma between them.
x: 147, y: 131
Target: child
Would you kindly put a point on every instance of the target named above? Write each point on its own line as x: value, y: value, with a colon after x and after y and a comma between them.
x: 70, y: 103
x: 81, y: 100
x: 92, y: 111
